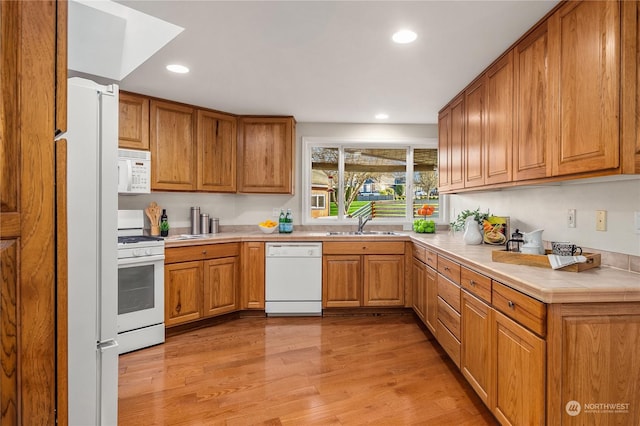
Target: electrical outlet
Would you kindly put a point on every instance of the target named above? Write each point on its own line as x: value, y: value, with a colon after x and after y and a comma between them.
x: 601, y: 220
x: 571, y: 218
x: 275, y: 212
x: 637, y: 222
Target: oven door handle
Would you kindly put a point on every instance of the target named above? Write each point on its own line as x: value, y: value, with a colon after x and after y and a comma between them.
x: 140, y: 260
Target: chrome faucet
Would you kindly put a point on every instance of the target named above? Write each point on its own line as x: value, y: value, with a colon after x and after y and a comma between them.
x: 362, y: 221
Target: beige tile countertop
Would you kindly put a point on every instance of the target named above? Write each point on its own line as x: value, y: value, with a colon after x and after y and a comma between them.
x: 603, y: 284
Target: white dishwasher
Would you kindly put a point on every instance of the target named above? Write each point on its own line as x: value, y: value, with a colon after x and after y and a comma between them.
x: 293, y: 282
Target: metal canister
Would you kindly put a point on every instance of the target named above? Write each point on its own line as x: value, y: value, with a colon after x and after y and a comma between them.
x: 213, y: 225
x: 204, y: 223
x: 195, y: 220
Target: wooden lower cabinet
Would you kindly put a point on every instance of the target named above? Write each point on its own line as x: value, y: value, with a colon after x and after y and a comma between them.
x: 431, y: 304
x: 220, y: 286
x: 342, y: 281
x: 358, y: 274
x: 383, y: 280
x: 419, y: 288
x: 518, y: 358
x: 253, y: 275
x: 593, y: 359
x: 475, y: 362
x: 200, y: 282
x: 182, y: 292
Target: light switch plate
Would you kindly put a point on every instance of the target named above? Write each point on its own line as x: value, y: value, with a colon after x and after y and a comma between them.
x: 571, y: 218
x: 601, y: 220
x: 636, y: 216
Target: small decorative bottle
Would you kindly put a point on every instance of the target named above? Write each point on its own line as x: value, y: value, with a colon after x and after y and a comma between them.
x: 164, y: 224
x: 282, y: 222
x: 288, y: 222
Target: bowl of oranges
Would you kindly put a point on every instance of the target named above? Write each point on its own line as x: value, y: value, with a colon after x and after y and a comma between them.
x: 268, y: 226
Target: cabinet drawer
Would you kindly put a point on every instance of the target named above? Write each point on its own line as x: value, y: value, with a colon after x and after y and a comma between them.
x: 449, y: 269
x: 449, y: 343
x: 476, y: 283
x: 526, y: 310
x: 449, y: 292
x: 419, y: 252
x: 363, y: 247
x: 201, y: 252
x: 449, y: 317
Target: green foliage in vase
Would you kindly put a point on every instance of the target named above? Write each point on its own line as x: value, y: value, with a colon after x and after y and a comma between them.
x: 458, y: 224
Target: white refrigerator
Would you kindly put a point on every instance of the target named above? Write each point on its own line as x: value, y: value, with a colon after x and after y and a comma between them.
x: 92, y: 208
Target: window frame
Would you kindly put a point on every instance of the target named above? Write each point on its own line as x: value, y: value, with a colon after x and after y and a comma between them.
x: 341, y: 144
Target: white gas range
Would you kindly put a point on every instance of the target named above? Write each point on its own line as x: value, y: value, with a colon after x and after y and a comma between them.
x: 140, y: 284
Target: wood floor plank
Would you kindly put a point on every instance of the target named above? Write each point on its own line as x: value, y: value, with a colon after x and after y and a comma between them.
x: 298, y: 370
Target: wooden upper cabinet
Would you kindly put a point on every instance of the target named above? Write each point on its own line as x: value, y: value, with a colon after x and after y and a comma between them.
x: 585, y: 62
x: 133, y: 121
x: 451, y: 145
x: 531, y: 148
x: 266, y: 155
x: 630, y: 78
x: 216, y: 152
x: 444, y: 143
x: 173, y: 153
x: 474, y: 149
x: 498, y: 138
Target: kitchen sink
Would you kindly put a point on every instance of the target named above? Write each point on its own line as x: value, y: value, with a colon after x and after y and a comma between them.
x: 356, y: 233
x: 188, y: 237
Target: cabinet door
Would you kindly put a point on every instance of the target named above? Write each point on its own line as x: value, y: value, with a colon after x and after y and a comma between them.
x: 444, y: 150
x: 216, y: 152
x: 182, y: 292
x: 384, y: 280
x: 266, y: 155
x: 419, y: 281
x: 475, y: 360
x: 220, y: 286
x: 133, y: 121
x: 173, y: 154
x: 518, y: 357
x: 499, y: 121
x: 585, y: 63
x: 431, y: 302
x: 474, y: 151
x: 341, y: 281
x: 253, y: 275
x: 456, y: 144
x: 531, y: 147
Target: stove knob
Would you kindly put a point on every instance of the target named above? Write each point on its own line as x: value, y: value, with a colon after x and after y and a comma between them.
x: 136, y: 252
x: 148, y: 252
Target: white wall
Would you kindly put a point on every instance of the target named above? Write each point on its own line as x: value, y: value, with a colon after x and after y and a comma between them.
x: 529, y: 208
x: 248, y: 209
x: 545, y: 207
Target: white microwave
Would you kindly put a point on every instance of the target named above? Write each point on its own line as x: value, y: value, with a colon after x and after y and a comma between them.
x: 134, y: 172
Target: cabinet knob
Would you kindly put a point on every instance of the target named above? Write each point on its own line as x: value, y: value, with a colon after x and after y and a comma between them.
x: 204, y: 252
x: 472, y: 282
x: 511, y: 304
x: 429, y: 259
x: 446, y: 268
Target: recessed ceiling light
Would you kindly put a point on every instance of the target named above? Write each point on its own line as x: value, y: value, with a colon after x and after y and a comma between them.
x: 404, y: 36
x: 180, y: 69
x: 382, y: 116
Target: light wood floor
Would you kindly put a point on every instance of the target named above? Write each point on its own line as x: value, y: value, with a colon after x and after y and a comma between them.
x: 298, y: 371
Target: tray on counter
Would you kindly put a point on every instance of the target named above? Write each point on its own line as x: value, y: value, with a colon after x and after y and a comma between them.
x: 541, y: 260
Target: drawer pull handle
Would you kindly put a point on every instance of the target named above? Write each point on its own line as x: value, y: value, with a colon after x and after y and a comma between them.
x: 204, y: 252
x: 446, y: 268
x: 472, y: 282
x: 511, y: 304
x: 429, y: 259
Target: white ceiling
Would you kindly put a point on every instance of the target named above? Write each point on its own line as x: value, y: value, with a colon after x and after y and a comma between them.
x: 328, y: 61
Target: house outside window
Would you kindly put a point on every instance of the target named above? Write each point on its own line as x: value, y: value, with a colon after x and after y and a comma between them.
x: 388, y: 180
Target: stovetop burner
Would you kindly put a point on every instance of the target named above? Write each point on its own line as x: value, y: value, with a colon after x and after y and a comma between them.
x: 132, y: 239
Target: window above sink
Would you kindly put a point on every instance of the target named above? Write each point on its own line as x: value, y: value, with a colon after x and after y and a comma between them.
x: 389, y: 180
